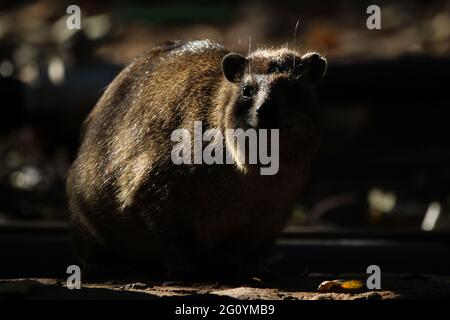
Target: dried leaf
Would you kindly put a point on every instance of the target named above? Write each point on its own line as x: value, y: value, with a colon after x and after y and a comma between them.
x: 340, y: 286
x: 352, y: 285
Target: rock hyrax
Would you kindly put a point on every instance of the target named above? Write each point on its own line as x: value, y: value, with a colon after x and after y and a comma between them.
x: 132, y: 205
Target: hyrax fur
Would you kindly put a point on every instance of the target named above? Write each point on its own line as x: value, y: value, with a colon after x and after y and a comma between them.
x: 131, y: 204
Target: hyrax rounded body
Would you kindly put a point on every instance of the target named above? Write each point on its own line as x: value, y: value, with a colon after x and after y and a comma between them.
x: 131, y: 203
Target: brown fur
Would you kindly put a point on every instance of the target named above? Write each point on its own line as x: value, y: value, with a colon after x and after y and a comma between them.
x: 131, y: 204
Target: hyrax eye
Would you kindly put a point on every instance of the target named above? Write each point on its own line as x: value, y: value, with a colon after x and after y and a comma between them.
x: 247, y: 92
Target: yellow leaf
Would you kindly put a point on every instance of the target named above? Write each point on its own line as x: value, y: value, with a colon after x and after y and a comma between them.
x: 340, y: 286
x: 352, y: 285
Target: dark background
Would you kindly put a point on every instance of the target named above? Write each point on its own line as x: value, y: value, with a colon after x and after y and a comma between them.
x: 385, y: 157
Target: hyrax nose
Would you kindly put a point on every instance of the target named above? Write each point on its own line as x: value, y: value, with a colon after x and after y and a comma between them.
x: 263, y: 109
x: 266, y: 116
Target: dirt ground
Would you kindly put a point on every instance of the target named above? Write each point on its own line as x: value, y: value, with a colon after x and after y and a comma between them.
x: 394, y: 287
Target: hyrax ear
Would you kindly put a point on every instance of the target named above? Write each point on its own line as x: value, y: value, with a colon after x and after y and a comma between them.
x: 233, y: 66
x: 315, y: 67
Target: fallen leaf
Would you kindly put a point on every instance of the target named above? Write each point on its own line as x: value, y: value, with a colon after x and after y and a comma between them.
x: 340, y: 286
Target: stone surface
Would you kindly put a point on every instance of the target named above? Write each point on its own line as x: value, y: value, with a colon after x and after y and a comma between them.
x: 394, y: 286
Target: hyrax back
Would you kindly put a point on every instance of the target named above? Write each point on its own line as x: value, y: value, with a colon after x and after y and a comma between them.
x: 131, y: 204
